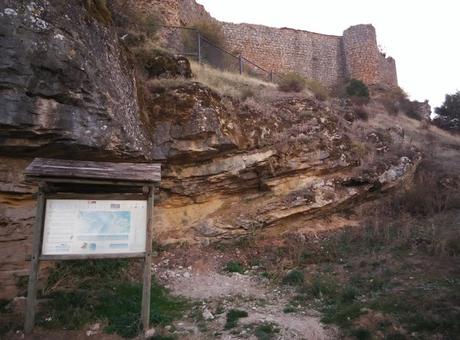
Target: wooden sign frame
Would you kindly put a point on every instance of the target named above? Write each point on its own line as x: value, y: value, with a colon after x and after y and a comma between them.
x: 78, y: 179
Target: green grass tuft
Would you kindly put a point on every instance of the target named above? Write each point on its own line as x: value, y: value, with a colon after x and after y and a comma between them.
x: 234, y: 267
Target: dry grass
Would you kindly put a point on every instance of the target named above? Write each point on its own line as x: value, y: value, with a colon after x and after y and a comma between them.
x: 319, y: 90
x: 229, y: 84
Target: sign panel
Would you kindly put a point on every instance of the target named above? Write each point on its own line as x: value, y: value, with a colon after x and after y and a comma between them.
x: 85, y: 227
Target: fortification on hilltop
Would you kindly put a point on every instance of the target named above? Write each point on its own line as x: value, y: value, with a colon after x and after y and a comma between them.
x: 327, y: 58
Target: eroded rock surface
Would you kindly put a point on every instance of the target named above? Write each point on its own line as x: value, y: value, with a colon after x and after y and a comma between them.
x: 66, y: 82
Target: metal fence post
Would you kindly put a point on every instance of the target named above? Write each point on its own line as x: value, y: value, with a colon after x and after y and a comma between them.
x: 240, y: 59
x: 271, y: 76
x: 199, y: 45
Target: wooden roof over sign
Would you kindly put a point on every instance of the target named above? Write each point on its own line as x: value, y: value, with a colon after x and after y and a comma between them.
x: 47, y: 168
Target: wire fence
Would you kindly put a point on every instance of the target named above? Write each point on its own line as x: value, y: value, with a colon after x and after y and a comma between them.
x: 193, y: 44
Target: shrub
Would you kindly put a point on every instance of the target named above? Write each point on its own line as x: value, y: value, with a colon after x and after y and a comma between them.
x: 210, y: 30
x: 293, y: 278
x: 361, y: 113
x: 320, y: 92
x: 266, y: 331
x: 234, y: 267
x: 411, y: 109
x: 356, y: 88
x: 150, y: 24
x: 291, y: 82
x: 449, y: 113
x: 232, y: 317
x: 158, y: 63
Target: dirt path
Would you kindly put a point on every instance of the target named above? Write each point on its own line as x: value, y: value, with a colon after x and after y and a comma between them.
x: 215, y: 292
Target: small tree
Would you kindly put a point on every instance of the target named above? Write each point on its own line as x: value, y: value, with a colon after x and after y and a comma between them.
x: 449, y: 113
x: 356, y: 88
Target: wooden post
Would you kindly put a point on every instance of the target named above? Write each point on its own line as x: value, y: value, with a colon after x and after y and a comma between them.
x: 240, y: 58
x: 35, y: 261
x: 199, y: 46
x: 145, y: 312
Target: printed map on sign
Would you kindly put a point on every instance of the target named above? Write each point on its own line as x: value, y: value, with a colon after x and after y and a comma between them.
x: 105, y: 222
x: 94, y: 227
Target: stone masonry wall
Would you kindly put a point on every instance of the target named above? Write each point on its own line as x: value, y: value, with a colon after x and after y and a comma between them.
x: 387, y: 70
x: 314, y: 55
x: 326, y: 58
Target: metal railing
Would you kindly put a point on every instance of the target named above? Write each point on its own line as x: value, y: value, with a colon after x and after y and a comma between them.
x: 192, y: 43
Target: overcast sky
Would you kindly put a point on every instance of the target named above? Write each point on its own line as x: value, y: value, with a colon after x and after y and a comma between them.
x: 423, y: 36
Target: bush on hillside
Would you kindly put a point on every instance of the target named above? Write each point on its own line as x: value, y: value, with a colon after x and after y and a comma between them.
x: 410, y: 109
x: 292, y: 82
x: 449, y: 113
x: 320, y: 92
x: 211, y: 30
x: 361, y: 113
x: 356, y: 88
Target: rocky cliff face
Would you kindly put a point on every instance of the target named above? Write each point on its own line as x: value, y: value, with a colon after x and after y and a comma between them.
x: 66, y: 80
x: 68, y: 90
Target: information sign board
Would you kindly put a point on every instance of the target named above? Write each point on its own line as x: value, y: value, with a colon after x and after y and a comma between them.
x: 85, y: 227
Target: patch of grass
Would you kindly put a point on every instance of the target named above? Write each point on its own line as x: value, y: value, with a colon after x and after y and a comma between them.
x: 348, y: 294
x: 266, y: 331
x: 293, y: 278
x: 341, y: 314
x: 234, y: 267
x: 92, y: 269
x: 99, y: 292
x: 233, y: 316
x: 229, y: 84
x: 67, y: 310
x: 323, y: 287
x: 289, y: 309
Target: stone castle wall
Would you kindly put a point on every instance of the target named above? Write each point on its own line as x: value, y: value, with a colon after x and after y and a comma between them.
x: 326, y: 58
x: 315, y: 55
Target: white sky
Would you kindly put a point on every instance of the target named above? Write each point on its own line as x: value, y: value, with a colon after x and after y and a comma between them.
x: 423, y: 36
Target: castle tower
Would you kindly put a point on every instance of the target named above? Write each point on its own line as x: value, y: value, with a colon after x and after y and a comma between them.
x: 362, y: 56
